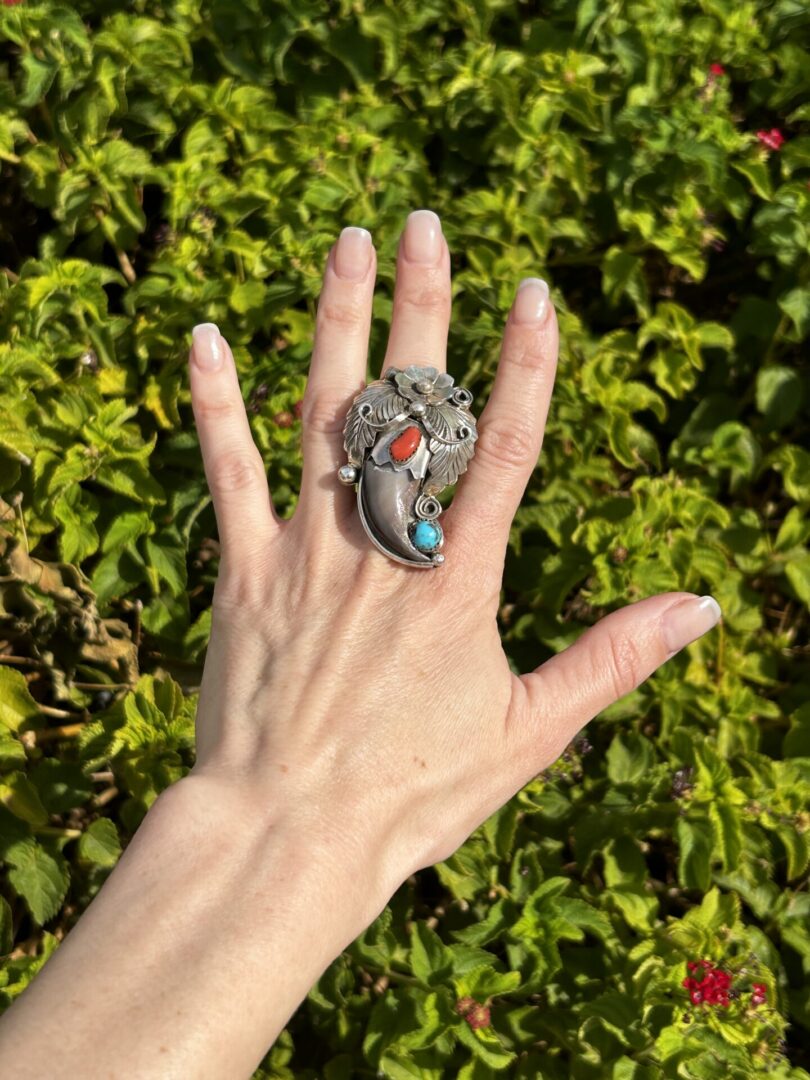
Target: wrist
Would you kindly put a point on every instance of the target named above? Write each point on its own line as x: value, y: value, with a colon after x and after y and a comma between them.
x: 286, y: 847
x: 220, y: 906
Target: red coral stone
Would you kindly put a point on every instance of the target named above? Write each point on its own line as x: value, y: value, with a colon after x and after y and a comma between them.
x: 406, y: 444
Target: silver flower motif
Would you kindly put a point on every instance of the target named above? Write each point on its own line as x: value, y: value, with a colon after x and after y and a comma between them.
x: 424, y: 384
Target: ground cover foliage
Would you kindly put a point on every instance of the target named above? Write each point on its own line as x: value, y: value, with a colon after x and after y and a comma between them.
x: 164, y: 164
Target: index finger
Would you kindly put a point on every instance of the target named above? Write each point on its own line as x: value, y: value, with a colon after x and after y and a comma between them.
x: 246, y: 519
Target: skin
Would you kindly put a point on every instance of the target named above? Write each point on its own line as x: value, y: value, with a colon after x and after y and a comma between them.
x: 357, y: 720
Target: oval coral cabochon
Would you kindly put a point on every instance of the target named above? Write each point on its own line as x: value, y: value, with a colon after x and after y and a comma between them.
x: 405, y: 444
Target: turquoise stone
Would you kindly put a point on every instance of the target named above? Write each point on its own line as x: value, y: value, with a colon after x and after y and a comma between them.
x: 426, y: 536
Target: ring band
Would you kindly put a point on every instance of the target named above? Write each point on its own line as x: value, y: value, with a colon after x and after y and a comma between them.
x: 408, y: 436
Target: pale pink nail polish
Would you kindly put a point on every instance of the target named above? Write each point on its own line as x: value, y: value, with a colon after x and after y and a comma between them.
x: 423, y: 237
x: 207, y: 346
x: 687, y: 620
x: 353, y: 253
x: 532, y: 301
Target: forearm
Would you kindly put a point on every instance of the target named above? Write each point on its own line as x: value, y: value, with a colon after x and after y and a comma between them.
x: 194, y: 954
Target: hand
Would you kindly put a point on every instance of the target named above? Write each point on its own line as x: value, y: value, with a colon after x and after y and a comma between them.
x: 357, y: 717
x: 367, y: 704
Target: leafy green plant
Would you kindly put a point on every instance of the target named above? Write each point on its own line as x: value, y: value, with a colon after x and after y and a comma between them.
x: 640, y: 910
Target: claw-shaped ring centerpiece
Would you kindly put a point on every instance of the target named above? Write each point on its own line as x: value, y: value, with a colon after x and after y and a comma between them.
x: 408, y: 436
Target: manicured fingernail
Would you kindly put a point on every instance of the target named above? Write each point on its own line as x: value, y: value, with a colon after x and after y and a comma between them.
x: 689, y: 619
x: 208, y: 351
x: 423, y: 237
x: 531, y: 301
x: 353, y: 253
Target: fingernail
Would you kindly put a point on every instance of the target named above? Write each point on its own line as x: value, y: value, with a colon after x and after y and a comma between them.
x: 423, y: 237
x: 207, y: 351
x: 353, y: 253
x: 687, y: 620
x: 531, y: 301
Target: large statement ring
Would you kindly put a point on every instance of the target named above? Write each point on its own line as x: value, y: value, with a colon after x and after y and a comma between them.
x: 408, y: 435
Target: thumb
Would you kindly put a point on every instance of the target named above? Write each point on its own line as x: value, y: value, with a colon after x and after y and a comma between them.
x: 605, y: 663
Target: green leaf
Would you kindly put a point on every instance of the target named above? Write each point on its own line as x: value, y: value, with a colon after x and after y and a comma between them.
x: 794, y: 464
x: 798, y: 851
x: 39, y: 878
x: 797, y: 741
x: 126, y: 528
x: 629, y: 758
x: 100, y: 843
x: 22, y: 799
x: 796, y: 305
x: 166, y: 561
x: 430, y: 958
x: 779, y: 395
x: 727, y: 829
x: 486, y: 1046
x: 794, y: 530
x: 247, y: 296
x: 402, y: 1067
x: 798, y: 574
x: 130, y: 478
x: 695, y: 854
x: 39, y: 74
x: 756, y: 172
x: 485, y: 982
x: 62, y: 785
x: 17, y: 707
x: 77, y: 517
x: 116, y: 574
x: 12, y: 751
x: 585, y: 916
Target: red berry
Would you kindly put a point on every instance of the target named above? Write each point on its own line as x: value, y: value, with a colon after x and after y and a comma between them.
x: 696, y: 997
x: 464, y: 1004
x: 283, y: 419
x: 478, y: 1017
x: 773, y: 139
x: 297, y: 408
x: 717, y: 70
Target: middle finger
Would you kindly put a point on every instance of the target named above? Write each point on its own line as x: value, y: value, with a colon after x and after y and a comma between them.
x: 422, y: 302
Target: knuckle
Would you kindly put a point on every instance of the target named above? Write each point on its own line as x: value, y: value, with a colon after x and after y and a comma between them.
x: 217, y: 408
x: 506, y: 442
x: 246, y: 580
x: 238, y: 589
x: 624, y: 663
x: 323, y: 413
x: 426, y: 297
x: 236, y: 471
x: 349, y: 314
x: 526, y: 349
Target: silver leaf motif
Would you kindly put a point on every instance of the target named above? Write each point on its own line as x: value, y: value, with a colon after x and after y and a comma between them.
x: 371, y: 411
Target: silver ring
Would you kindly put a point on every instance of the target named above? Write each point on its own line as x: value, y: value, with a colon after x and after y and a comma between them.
x: 408, y: 436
